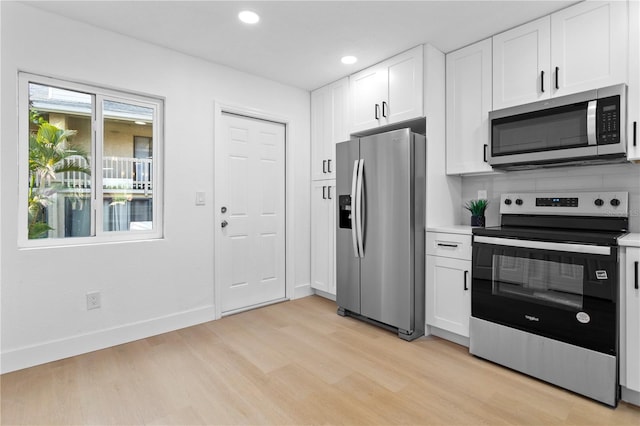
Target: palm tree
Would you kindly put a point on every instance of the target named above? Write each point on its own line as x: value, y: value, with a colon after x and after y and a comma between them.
x: 49, y: 147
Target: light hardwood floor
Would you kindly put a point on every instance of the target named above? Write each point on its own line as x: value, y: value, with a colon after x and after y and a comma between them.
x: 292, y: 363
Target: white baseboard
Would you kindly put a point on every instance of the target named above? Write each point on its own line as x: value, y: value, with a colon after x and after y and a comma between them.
x: 447, y: 335
x: 325, y: 294
x: 302, y: 290
x: 54, y: 350
x: 630, y: 396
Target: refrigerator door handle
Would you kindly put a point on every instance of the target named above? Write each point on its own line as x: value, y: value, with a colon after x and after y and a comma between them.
x: 359, y: 208
x: 354, y: 212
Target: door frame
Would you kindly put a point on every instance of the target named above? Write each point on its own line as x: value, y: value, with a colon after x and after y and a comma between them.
x: 253, y: 113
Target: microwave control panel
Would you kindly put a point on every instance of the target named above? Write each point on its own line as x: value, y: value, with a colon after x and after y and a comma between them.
x: 608, y: 120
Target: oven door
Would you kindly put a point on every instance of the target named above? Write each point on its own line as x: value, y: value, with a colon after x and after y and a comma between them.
x: 567, y: 292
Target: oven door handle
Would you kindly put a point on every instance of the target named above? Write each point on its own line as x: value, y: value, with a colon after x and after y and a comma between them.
x: 544, y: 245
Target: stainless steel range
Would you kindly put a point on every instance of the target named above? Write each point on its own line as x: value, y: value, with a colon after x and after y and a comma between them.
x: 545, y: 289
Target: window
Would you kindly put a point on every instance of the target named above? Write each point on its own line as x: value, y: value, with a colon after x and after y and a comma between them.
x: 90, y: 166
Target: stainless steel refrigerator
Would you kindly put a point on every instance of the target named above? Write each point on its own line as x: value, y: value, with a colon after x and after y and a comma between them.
x: 380, y: 183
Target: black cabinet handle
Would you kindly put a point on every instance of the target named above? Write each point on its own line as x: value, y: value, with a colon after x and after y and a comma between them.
x: 329, y: 192
x: 377, y: 113
x: 447, y: 245
x: 466, y: 274
x: 384, y: 109
x: 557, y: 74
x: 542, y: 81
x: 485, y: 152
x: 324, y: 166
x: 635, y: 132
x: 324, y: 192
x: 329, y: 166
x: 636, y: 274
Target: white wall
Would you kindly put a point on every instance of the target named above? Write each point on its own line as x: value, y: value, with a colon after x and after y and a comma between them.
x: 147, y: 287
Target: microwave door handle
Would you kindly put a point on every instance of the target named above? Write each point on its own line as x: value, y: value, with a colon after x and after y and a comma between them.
x: 354, y: 211
x: 591, y: 123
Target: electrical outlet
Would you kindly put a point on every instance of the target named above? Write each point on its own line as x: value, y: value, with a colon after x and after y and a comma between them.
x: 93, y: 300
x: 482, y: 194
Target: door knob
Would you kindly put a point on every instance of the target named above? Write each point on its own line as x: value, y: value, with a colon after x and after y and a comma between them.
x: 224, y: 223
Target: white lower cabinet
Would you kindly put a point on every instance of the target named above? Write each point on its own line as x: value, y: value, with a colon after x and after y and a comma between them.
x: 448, y: 284
x: 630, y: 325
x: 323, y: 205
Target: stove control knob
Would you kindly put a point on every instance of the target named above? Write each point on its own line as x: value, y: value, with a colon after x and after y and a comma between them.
x: 598, y: 202
x: 507, y: 201
x: 615, y: 202
x: 519, y: 202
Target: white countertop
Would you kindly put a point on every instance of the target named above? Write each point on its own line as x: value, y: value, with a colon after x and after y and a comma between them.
x: 632, y: 240
x: 451, y: 229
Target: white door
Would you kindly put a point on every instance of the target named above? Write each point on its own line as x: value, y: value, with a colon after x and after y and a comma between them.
x: 323, y: 233
x: 448, y: 293
x: 521, y: 58
x: 368, y: 90
x: 319, y: 160
x: 250, y: 203
x: 589, y: 46
x: 404, y: 87
x: 468, y: 104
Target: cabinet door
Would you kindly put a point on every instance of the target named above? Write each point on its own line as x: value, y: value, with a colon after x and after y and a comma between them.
x: 468, y: 87
x: 323, y: 236
x: 448, y: 294
x: 633, y: 94
x: 319, y: 105
x: 329, y: 114
x: 404, y: 79
x: 589, y: 46
x: 632, y: 296
x: 368, y: 89
x: 340, y: 111
x: 336, y: 117
x: 521, y: 64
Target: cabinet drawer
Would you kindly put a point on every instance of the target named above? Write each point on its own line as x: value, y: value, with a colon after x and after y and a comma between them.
x: 457, y: 246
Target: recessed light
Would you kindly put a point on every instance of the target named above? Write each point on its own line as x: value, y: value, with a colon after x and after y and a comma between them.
x: 142, y: 123
x: 348, y: 60
x: 248, y: 17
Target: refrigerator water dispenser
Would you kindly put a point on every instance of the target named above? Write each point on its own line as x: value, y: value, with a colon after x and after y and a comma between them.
x: 344, y: 202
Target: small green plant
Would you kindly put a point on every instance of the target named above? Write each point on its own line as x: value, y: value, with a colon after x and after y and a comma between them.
x: 476, y: 207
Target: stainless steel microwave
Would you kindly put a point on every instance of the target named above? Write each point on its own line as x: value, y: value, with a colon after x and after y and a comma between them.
x: 584, y: 128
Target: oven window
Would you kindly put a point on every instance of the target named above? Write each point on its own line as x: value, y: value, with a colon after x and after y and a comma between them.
x: 557, y: 128
x: 548, y: 282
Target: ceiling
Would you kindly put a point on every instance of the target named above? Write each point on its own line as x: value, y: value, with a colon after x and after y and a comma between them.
x: 300, y: 43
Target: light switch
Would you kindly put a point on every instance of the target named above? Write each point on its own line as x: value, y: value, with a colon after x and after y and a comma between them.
x: 482, y: 194
x: 200, y: 198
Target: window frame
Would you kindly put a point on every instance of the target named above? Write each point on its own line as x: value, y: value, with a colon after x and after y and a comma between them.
x: 98, y: 95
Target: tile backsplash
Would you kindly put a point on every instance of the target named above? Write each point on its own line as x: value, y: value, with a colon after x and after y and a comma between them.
x: 611, y: 177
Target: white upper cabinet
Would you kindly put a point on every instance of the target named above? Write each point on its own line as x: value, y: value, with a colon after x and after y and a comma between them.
x: 468, y: 88
x: 578, y: 48
x: 633, y: 94
x: 329, y: 112
x: 589, y: 46
x: 521, y: 64
x: 388, y: 92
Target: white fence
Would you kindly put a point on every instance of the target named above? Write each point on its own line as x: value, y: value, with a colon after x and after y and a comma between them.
x: 117, y: 173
